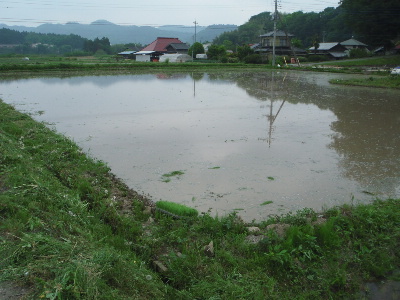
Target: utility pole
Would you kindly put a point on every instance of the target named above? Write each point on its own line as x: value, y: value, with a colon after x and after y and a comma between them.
x: 273, y: 41
x: 195, y: 37
x: 195, y: 30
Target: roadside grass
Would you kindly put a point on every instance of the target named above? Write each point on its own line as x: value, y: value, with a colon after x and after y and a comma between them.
x: 392, y: 60
x: 61, y: 231
x: 390, y: 81
x: 70, y: 230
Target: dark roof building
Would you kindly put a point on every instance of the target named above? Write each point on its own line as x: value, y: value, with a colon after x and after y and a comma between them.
x: 352, y: 44
x: 177, y: 48
x: 335, y: 50
x: 282, y: 44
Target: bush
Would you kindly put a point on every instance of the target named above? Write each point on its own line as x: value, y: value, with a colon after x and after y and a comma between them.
x: 253, y: 59
x: 77, y: 53
x: 313, y: 58
x: 233, y: 60
x: 358, y: 53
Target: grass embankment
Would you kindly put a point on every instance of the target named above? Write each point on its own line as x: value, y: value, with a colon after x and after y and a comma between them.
x: 378, y: 66
x: 376, y: 61
x: 372, y: 81
x: 70, y: 230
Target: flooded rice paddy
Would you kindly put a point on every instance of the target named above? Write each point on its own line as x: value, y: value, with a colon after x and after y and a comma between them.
x: 257, y: 143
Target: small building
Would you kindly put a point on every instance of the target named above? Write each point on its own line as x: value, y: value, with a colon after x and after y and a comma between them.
x: 147, y: 56
x: 181, y: 48
x: 127, y: 54
x: 334, y: 50
x: 282, y: 44
x: 353, y: 44
x: 166, y: 45
x: 282, y: 40
x: 175, y: 58
x: 201, y: 56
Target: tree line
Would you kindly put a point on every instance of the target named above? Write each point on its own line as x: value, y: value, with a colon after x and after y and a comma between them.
x: 13, y: 41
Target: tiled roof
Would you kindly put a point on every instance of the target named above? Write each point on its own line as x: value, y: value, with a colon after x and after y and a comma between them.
x: 279, y: 33
x: 179, y: 46
x: 161, y: 43
x: 352, y: 42
x: 324, y: 46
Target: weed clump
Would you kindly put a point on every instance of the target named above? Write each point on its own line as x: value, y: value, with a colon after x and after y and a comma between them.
x: 177, y: 209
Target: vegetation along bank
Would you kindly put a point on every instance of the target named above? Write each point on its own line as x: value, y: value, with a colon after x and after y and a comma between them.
x: 70, y: 230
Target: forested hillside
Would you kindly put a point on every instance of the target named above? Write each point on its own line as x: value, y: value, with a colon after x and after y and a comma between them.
x: 30, y: 42
x: 326, y: 26
x: 375, y: 23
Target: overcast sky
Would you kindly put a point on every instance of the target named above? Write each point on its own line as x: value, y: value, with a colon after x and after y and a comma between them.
x: 153, y: 13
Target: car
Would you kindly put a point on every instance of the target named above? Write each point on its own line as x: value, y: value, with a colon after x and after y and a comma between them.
x: 395, y: 71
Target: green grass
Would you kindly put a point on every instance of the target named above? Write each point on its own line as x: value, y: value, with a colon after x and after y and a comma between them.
x: 167, y: 176
x: 392, y: 81
x: 177, y: 209
x: 47, y: 63
x: 267, y: 202
x: 70, y: 230
x: 393, y: 61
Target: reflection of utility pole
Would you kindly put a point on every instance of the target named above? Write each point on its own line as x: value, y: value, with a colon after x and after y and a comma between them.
x: 273, y: 41
x: 271, y: 116
x: 194, y: 86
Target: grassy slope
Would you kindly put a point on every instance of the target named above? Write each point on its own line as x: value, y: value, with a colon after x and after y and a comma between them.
x: 383, y: 80
x: 69, y: 229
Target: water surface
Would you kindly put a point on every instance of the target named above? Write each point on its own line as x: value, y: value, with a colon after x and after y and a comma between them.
x: 241, y: 139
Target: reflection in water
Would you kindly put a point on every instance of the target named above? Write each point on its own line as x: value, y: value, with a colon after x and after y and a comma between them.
x: 240, y: 138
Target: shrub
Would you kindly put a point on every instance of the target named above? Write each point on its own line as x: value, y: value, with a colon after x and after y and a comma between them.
x: 358, y: 53
x: 253, y: 59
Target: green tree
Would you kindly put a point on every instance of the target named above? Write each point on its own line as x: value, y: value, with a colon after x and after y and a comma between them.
x: 374, y: 22
x: 196, y: 48
x: 229, y: 45
x: 244, y: 51
x: 296, y: 43
x: 315, y: 43
x: 97, y: 44
x: 216, y: 52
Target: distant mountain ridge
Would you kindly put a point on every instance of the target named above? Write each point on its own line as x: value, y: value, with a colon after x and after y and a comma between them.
x: 124, y: 34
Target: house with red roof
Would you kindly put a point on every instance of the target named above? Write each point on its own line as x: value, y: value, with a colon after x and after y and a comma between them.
x: 162, y: 45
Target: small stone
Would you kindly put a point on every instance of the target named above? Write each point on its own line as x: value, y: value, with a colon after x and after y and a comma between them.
x: 159, y: 266
x: 254, y: 239
x: 209, y: 249
x: 319, y: 221
x: 147, y: 210
x: 253, y: 229
x: 280, y: 229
